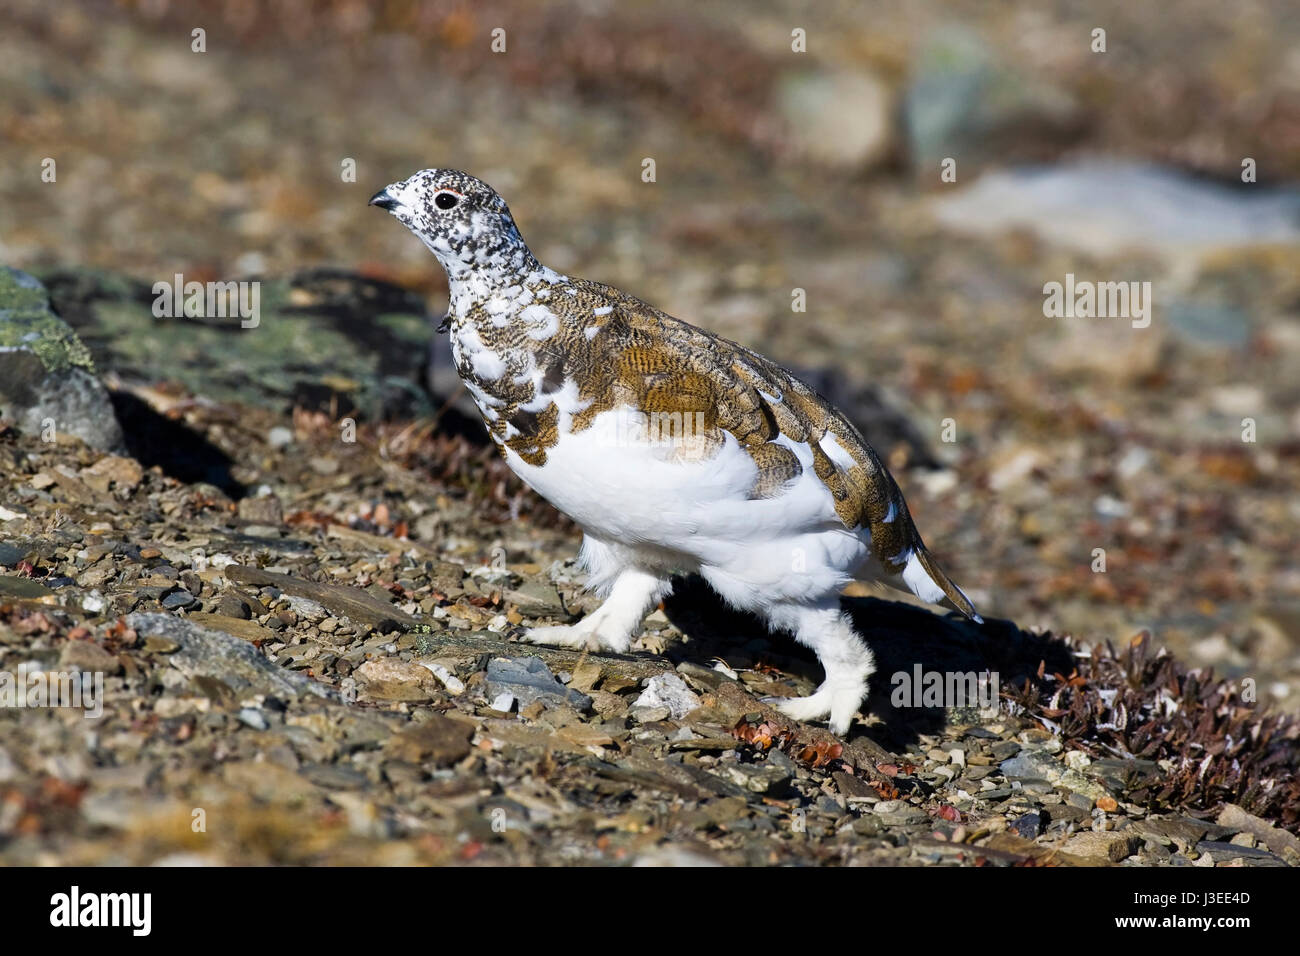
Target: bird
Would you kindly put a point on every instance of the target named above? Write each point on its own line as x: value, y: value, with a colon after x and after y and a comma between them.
x: 675, y: 450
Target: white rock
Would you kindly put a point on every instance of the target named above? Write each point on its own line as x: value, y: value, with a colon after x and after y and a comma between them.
x: 841, y: 119
x: 1104, y: 207
x: 721, y: 667
x: 1077, y: 760
x: 455, y: 686
x: 668, y: 690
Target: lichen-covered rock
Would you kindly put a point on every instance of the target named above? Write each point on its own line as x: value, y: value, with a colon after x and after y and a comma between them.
x: 323, y: 339
x: 47, y: 379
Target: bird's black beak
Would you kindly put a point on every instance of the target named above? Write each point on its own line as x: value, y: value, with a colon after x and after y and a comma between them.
x: 383, y: 200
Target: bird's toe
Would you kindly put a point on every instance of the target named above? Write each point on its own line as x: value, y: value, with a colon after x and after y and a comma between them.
x: 559, y: 635
x: 814, y: 707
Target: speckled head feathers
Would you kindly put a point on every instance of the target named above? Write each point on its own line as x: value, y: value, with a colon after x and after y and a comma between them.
x: 460, y: 218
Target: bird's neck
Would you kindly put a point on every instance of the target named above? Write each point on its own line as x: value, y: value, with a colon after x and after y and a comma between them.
x: 494, y: 289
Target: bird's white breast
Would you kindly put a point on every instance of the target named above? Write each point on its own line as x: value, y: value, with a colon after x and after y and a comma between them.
x: 621, y: 485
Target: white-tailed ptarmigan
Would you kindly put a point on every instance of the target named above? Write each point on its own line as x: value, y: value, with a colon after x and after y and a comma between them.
x: 673, y: 449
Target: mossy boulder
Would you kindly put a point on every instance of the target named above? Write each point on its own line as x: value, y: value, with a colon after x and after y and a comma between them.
x: 47, y: 379
x: 324, y: 339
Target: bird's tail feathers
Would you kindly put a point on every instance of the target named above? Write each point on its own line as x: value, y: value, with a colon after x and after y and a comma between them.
x: 926, y: 580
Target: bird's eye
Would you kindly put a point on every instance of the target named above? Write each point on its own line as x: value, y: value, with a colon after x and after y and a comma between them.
x: 445, y: 200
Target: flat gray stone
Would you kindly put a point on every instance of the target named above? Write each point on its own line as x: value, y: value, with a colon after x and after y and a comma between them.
x: 1227, y: 852
x: 528, y: 679
x: 204, y: 652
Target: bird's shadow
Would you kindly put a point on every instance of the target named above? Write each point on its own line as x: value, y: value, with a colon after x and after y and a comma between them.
x: 181, y: 452
x: 907, y: 642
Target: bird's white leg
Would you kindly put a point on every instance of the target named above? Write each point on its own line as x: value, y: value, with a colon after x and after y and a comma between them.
x: 844, y: 656
x: 612, y: 625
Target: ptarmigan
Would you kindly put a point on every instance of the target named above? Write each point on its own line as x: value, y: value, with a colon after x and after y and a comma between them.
x: 673, y: 449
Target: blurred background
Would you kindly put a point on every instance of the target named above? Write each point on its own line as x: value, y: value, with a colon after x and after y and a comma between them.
x: 776, y: 169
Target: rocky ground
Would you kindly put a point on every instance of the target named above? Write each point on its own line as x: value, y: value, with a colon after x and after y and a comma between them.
x: 324, y: 672
x: 299, y: 569
x: 307, y: 658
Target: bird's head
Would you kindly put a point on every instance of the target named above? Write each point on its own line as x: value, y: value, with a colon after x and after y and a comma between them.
x: 461, y: 219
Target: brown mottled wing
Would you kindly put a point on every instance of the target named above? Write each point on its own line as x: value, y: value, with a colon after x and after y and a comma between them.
x: 656, y: 363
